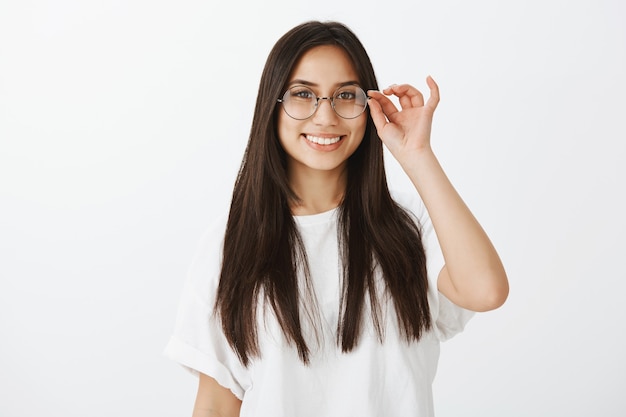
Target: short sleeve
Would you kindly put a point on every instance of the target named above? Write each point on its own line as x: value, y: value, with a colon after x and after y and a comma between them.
x: 198, y: 342
x: 449, y: 318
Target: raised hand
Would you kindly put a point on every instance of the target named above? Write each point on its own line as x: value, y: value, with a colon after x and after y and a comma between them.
x: 473, y: 276
x: 407, y: 130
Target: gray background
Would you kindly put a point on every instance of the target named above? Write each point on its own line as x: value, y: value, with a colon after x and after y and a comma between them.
x: 122, y: 125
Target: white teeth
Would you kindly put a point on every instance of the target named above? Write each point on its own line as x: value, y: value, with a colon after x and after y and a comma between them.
x: 322, y: 141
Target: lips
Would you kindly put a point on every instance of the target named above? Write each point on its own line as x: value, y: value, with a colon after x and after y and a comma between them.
x: 323, y: 140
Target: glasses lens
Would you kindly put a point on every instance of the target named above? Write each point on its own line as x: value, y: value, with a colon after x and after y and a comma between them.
x: 299, y: 102
x: 350, y: 101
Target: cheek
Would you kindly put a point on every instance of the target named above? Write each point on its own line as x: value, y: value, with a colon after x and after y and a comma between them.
x: 360, y: 127
x: 285, y: 127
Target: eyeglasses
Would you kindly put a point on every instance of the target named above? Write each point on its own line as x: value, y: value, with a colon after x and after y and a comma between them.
x: 300, y: 102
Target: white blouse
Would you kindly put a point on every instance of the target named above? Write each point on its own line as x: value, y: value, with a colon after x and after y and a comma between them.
x: 393, y: 378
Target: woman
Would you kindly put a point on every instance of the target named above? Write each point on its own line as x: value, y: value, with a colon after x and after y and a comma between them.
x: 322, y: 294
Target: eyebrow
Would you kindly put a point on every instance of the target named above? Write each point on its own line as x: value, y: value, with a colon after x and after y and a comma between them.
x: 311, y: 84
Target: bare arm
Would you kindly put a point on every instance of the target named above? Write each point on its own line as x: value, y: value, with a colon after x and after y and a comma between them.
x: 213, y: 400
x: 473, y: 276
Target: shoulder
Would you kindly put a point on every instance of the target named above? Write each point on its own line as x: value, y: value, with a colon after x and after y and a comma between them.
x: 410, y: 201
x: 203, y: 274
x: 213, y: 235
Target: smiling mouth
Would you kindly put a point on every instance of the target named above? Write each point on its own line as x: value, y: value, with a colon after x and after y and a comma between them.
x: 322, y: 141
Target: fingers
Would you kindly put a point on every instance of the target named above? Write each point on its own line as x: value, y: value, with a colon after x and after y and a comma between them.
x: 410, y: 96
x: 433, y: 100
x: 385, y: 104
x: 376, y: 110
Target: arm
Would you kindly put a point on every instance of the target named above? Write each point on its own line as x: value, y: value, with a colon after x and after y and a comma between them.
x: 213, y: 400
x: 473, y: 276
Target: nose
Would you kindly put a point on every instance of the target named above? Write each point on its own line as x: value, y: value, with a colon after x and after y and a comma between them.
x: 324, y: 113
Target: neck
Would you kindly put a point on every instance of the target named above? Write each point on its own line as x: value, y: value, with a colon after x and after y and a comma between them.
x: 319, y: 191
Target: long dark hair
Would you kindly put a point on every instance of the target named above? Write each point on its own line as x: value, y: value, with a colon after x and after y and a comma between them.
x: 263, y: 251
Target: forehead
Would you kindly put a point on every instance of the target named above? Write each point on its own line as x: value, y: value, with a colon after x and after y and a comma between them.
x: 326, y: 65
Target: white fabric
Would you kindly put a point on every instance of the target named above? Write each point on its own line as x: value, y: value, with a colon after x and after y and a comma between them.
x: 389, y: 379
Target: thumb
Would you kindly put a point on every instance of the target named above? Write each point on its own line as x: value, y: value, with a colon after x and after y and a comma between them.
x: 376, y: 112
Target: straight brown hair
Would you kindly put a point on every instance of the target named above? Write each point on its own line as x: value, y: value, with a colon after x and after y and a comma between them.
x: 263, y: 253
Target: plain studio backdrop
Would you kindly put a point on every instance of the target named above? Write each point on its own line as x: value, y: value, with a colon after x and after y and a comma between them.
x: 122, y: 126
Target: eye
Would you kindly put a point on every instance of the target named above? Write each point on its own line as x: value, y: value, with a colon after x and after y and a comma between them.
x: 345, y: 95
x: 301, y: 94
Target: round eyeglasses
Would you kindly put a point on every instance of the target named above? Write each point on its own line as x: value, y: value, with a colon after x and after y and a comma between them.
x: 300, y: 102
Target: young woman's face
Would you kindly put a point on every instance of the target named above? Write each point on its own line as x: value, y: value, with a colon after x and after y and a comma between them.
x: 324, y: 141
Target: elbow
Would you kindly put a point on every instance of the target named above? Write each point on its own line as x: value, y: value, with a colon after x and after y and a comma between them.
x: 493, y: 296
x: 494, y: 300
x: 481, y: 291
